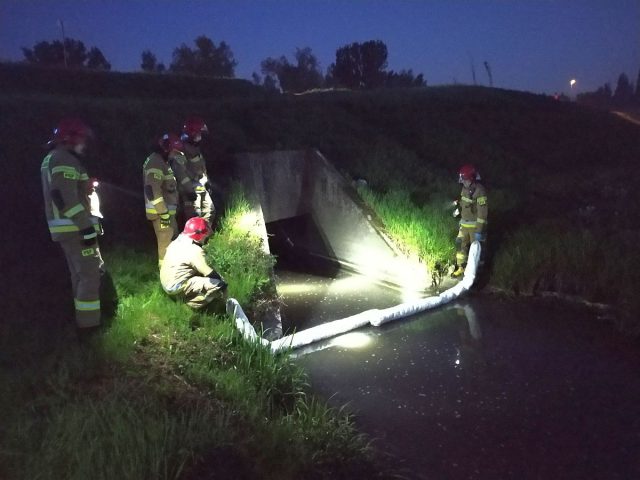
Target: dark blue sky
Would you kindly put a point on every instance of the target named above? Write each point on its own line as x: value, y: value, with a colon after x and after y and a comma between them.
x: 535, y: 45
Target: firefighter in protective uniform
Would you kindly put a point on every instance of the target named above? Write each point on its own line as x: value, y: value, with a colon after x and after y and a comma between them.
x: 193, y: 130
x: 185, y: 272
x: 473, y: 210
x: 65, y: 187
x: 161, y: 192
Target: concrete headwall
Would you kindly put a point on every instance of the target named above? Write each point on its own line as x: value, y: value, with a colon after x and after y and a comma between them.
x: 292, y: 183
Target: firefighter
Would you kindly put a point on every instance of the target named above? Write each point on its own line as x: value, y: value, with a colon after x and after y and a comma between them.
x: 160, y: 191
x: 473, y: 215
x: 185, y: 273
x: 193, y: 130
x: 65, y: 187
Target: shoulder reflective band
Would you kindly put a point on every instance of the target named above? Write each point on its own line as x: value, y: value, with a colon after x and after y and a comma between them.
x: 68, y: 172
x: 156, y: 172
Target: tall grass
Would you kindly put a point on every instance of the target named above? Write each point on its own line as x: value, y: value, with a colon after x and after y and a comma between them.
x: 168, y: 393
x: 237, y: 252
x: 427, y: 232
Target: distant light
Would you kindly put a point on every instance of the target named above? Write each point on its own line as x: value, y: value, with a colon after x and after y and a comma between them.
x: 572, y: 82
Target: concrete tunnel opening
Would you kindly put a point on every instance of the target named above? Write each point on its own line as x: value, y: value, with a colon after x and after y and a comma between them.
x: 312, y: 219
x: 300, y: 195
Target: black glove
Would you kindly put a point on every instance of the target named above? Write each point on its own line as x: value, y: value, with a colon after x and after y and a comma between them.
x: 215, y: 275
x: 89, y: 236
x: 165, y: 220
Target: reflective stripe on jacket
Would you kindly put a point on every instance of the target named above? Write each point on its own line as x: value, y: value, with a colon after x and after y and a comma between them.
x: 184, y: 177
x: 160, y: 188
x: 474, y: 207
x: 196, y: 164
x: 66, y: 202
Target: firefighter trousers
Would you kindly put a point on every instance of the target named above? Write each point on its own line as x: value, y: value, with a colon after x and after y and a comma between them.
x: 85, y: 267
x: 198, y: 292
x: 164, y: 235
x: 204, y: 207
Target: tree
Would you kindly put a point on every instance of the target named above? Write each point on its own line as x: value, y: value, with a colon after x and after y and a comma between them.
x: 404, y: 78
x: 150, y: 63
x: 601, y: 98
x: 96, y: 60
x: 53, y: 54
x: 637, y: 95
x: 304, y: 75
x: 624, y: 91
x: 360, y: 65
x: 206, y: 59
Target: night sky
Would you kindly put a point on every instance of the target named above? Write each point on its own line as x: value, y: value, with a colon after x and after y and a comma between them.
x: 536, y: 46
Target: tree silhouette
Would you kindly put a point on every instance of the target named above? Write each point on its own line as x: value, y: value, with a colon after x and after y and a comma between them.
x: 637, y: 95
x: 53, y: 54
x: 206, y: 59
x: 360, y: 65
x: 96, y: 60
x: 150, y: 63
x: 404, y: 78
x: 304, y: 75
x: 623, y: 94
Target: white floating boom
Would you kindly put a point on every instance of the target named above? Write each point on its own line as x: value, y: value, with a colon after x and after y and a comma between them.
x: 375, y: 317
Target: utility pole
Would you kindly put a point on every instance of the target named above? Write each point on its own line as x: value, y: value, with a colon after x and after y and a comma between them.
x: 473, y: 69
x: 64, y: 43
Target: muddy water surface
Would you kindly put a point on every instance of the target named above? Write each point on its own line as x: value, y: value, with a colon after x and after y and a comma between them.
x: 483, y: 389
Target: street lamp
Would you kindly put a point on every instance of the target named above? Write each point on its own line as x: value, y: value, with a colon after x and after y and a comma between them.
x: 572, y: 82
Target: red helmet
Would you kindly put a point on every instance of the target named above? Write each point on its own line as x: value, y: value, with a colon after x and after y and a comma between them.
x: 72, y: 131
x: 170, y: 141
x: 193, y: 126
x: 468, y: 172
x: 197, y: 229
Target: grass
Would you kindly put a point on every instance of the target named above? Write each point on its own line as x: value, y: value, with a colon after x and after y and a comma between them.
x: 425, y: 232
x: 168, y: 393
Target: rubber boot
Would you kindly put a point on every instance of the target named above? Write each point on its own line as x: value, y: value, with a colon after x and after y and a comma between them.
x: 458, y: 272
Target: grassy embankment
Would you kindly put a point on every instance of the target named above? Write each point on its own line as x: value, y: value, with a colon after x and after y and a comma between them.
x: 167, y: 393
x: 562, y: 196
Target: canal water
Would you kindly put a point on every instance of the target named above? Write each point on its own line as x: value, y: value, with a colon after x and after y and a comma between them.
x: 481, y: 389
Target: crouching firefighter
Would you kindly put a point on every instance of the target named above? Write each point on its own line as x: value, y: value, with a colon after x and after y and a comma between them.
x: 185, y: 273
x: 65, y: 187
x: 161, y: 192
x: 473, y: 210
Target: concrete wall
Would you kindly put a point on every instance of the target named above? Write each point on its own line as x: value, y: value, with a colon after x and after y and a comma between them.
x: 292, y: 183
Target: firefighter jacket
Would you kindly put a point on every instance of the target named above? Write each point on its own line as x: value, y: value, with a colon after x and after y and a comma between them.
x: 64, y: 187
x: 160, y: 188
x: 473, y: 207
x: 184, y: 259
x: 187, y: 181
x: 196, y: 163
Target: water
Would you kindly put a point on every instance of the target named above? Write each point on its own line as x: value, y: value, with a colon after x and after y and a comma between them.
x: 483, y: 389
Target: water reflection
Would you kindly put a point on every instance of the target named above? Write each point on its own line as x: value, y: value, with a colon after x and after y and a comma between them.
x: 483, y: 389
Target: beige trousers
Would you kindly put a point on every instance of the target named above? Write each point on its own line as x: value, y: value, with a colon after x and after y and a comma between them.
x: 198, y: 292
x: 164, y: 235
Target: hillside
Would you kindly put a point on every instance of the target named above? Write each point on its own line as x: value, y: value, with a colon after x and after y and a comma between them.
x: 555, y: 170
